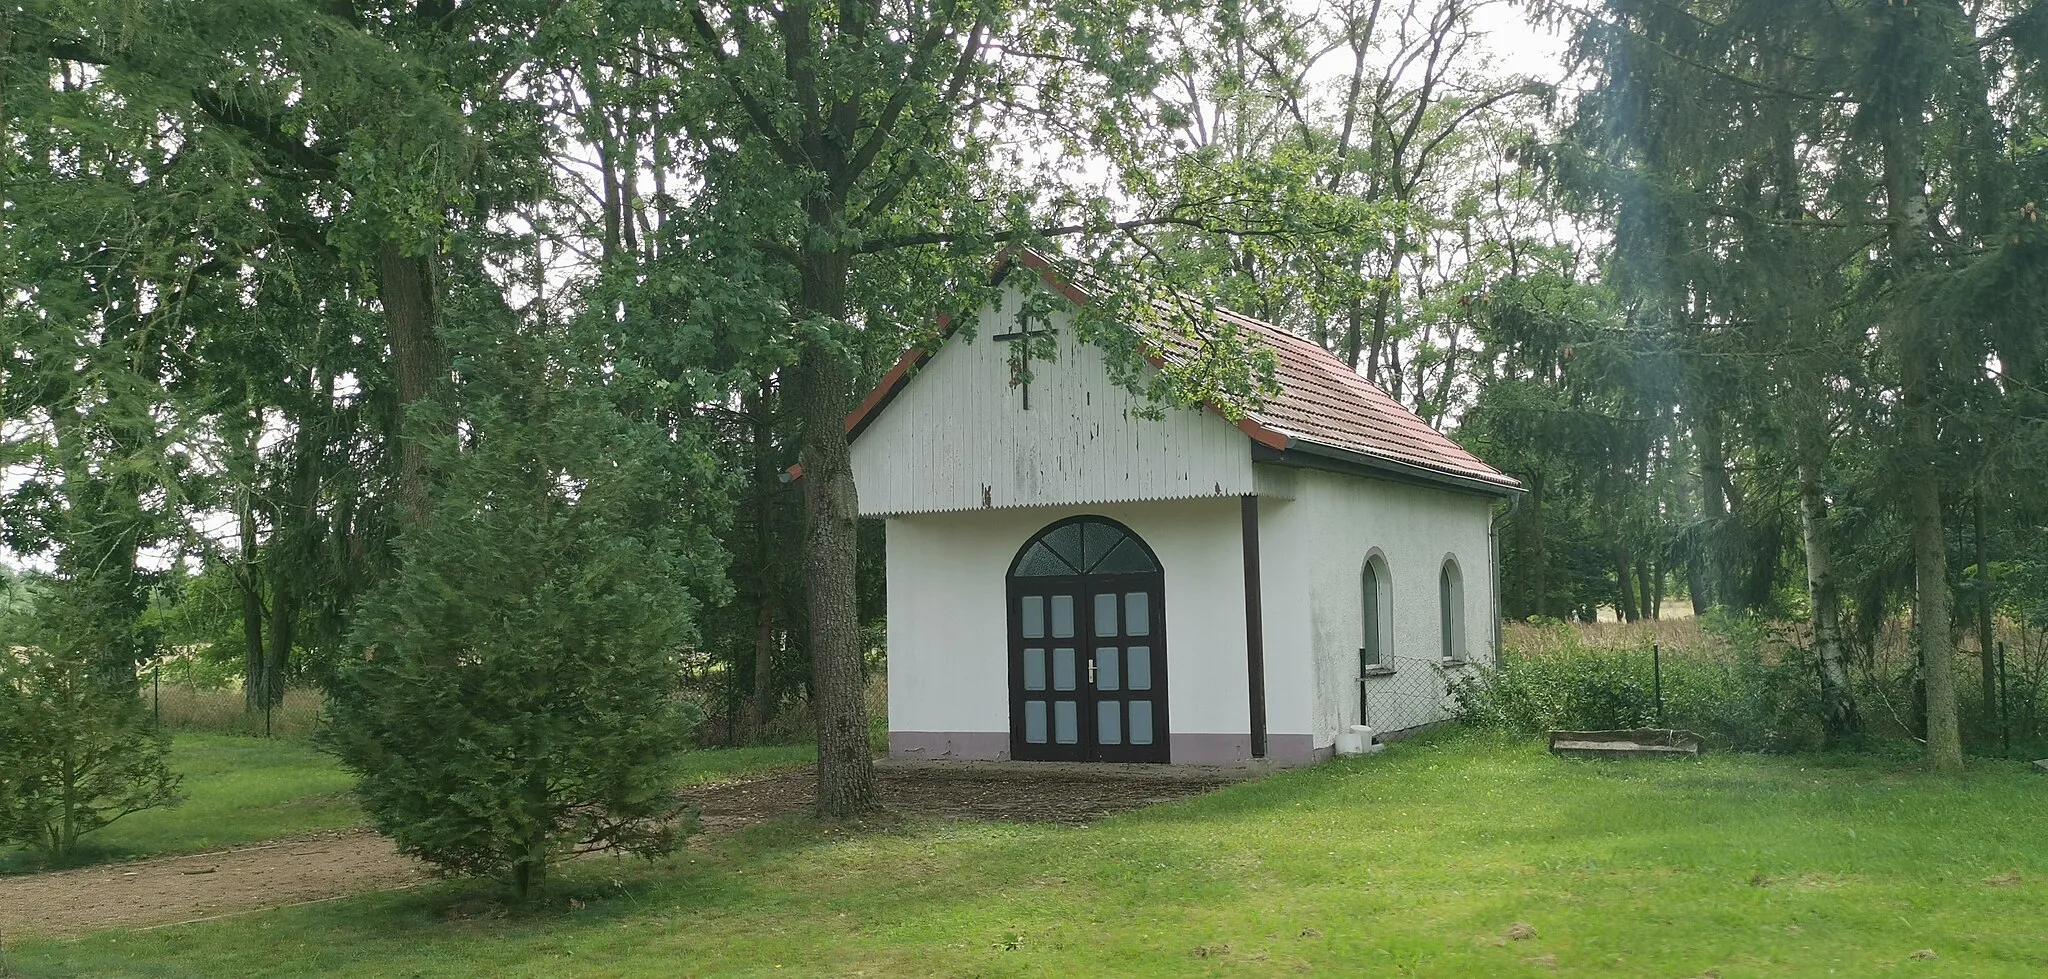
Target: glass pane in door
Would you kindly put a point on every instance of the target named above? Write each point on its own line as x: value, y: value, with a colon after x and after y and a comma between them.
x: 1105, y: 668
x: 1032, y: 611
x: 1066, y: 721
x: 1063, y: 668
x: 1105, y: 615
x: 1141, y: 722
x: 1108, y: 729
x: 1063, y: 616
x: 1139, y: 661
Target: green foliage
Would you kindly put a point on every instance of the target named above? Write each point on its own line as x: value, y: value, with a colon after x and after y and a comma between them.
x: 77, y: 747
x: 518, y: 700
x: 1742, y: 696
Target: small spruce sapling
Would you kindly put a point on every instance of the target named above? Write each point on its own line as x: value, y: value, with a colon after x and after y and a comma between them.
x: 78, y: 748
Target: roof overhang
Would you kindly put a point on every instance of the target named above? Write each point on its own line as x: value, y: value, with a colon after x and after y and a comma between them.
x: 1304, y: 454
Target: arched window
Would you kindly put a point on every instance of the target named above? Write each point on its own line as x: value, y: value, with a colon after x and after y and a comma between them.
x: 1378, y: 602
x: 1084, y: 546
x: 1451, y: 603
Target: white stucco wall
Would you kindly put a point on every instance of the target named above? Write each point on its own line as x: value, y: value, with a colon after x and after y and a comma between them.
x: 948, y: 648
x: 957, y: 436
x: 1326, y: 532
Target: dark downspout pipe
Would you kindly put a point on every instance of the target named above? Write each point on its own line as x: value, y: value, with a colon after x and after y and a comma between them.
x: 1254, y: 625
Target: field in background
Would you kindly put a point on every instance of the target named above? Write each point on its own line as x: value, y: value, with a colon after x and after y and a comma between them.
x: 1687, y: 637
x: 1764, y: 674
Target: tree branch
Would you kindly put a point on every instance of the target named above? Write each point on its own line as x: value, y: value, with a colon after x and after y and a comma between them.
x: 707, y: 36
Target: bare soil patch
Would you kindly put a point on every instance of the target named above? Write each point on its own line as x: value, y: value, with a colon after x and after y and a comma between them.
x: 172, y: 890
x: 204, y: 885
x: 1029, y: 792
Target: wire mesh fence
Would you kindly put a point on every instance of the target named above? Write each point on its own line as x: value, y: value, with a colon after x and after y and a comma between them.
x: 1408, y: 692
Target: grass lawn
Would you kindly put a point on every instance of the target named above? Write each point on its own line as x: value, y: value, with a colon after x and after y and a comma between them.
x: 719, y: 764
x: 1413, y: 863
x: 242, y: 790
x: 238, y: 790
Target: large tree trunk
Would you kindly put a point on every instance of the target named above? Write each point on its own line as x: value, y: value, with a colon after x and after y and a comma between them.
x: 1987, y: 642
x: 255, y: 683
x: 1648, y: 591
x: 1916, y: 344
x: 284, y: 613
x: 1624, y: 580
x: 1378, y: 343
x: 1714, y: 511
x: 409, y: 293
x: 1824, y: 601
x: 1539, y: 559
x: 824, y: 394
x: 760, y: 705
x: 1930, y: 602
x: 1695, y: 566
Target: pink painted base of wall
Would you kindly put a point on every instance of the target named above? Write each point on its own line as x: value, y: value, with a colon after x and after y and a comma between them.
x: 1285, y: 750
x: 954, y: 745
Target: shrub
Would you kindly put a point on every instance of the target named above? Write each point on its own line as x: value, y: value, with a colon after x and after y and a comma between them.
x: 77, y: 749
x: 1741, y: 692
x: 520, y: 697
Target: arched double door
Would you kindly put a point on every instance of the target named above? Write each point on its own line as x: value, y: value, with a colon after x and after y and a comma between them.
x: 1087, y: 646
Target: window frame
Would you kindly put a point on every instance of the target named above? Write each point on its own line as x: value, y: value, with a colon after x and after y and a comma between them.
x: 1451, y: 612
x: 1376, y: 611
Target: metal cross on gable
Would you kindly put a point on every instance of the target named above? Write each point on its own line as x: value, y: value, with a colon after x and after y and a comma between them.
x: 1023, y: 334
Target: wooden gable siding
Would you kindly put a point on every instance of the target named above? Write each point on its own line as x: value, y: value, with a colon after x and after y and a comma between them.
x: 957, y: 437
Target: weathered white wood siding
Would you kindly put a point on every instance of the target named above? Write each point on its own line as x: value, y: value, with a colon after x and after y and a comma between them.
x: 957, y: 436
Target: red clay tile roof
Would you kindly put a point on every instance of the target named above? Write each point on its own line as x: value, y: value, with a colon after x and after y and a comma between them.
x: 1323, y: 403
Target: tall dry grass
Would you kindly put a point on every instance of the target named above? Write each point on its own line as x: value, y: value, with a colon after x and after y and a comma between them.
x: 1884, y: 669
x: 221, y: 711
x: 1684, y: 638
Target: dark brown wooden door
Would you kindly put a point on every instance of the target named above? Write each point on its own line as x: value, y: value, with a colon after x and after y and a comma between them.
x: 1087, y: 624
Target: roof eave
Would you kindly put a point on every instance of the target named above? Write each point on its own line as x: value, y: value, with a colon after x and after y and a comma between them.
x: 1305, y: 453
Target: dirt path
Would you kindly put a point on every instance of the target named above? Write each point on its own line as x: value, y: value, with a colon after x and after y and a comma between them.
x: 171, y: 890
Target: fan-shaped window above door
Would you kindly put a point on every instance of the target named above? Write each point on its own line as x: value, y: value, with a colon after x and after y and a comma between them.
x: 1084, y: 545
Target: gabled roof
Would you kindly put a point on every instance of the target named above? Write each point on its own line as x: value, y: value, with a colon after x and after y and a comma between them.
x: 1324, y: 409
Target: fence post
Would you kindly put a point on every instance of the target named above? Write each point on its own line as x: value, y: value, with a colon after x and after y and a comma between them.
x: 1657, y: 679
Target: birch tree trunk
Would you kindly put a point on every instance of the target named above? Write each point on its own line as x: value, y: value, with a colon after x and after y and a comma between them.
x: 1824, y: 600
